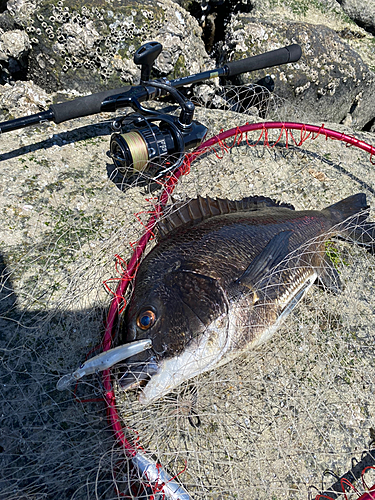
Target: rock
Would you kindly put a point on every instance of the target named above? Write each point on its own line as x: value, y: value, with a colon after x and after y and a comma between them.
x: 14, y: 48
x: 330, y: 82
x: 363, y: 13
x: 7, y: 22
x: 327, y: 12
x: 88, y: 46
x: 212, y: 15
x: 22, y: 11
x: 14, y: 44
x: 23, y: 98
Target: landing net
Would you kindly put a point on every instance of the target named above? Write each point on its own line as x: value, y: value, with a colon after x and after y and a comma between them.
x: 267, y: 425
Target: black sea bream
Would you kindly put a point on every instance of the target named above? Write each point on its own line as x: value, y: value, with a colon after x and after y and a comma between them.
x: 221, y: 279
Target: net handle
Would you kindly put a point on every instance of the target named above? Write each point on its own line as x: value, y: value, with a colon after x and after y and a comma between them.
x: 307, y: 132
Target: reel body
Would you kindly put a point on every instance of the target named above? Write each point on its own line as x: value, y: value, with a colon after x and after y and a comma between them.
x: 152, y: 146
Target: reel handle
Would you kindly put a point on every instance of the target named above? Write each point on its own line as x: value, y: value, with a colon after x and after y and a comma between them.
x: 145, y: 57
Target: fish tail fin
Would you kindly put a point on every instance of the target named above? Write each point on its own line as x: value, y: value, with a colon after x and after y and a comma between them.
x: 349, y: 207
x: 357, y: 228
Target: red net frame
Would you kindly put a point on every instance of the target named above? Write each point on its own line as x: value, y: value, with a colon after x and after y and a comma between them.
x: 347, y: 487
x: 219, y: 145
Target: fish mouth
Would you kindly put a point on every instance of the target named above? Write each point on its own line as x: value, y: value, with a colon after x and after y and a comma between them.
x: 137, y: 375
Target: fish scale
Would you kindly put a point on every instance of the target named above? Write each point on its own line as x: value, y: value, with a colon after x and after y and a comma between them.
x: 232, y: 239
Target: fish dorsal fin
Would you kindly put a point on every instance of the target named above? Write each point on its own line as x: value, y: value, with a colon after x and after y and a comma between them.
x: 195, y: 210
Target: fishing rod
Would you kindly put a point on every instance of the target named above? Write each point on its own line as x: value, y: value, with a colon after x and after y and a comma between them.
x: 144, y: 139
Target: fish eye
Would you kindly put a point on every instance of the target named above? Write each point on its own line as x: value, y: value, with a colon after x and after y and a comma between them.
x: 146, y: 319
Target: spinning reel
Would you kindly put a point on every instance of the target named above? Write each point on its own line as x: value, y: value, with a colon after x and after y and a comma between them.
x: 152, y: 143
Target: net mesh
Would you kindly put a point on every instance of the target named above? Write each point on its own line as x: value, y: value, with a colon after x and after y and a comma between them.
x: 267, y: 425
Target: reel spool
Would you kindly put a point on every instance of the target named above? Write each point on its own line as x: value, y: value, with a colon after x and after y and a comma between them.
x: 144, y: 147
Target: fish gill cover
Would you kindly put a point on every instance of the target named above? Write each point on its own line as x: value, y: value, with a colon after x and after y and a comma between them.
x: 265, y: 425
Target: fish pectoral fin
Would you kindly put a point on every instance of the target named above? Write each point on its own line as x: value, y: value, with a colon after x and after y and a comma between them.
x: 272, y: 254
x: 329, y: 277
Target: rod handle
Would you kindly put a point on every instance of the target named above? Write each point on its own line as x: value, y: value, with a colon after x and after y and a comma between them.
x: 84, y: 106
x: 289, y: 54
